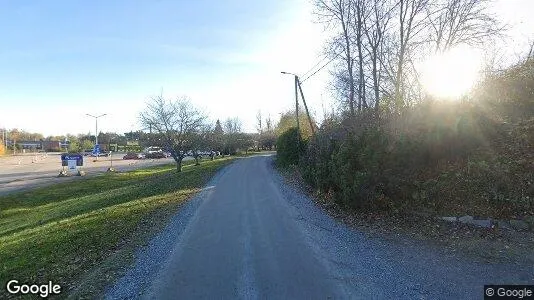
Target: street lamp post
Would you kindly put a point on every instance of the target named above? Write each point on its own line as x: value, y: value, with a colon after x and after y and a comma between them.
x: 96, y: 129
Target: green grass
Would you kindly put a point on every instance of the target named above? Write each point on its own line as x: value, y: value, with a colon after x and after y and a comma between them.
x: 63, y: 231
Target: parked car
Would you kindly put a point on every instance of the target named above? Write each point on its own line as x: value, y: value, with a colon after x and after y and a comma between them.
x: 156, y: 155
x: 152, y: 149
x: 102, y: 153
x: 133, y: 155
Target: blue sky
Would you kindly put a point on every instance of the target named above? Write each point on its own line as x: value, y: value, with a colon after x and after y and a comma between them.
x: 62, y: 59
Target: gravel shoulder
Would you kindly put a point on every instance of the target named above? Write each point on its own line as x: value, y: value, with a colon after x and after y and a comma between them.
x: 357, y: 264
x: 378, y: 265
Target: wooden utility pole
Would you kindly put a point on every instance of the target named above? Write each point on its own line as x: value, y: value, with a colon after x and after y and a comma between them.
x: 305, y: 106
x: 297, y: 107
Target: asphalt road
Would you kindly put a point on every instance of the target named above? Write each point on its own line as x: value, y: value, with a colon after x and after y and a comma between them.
x: 250, y: 236
x: 243, y: 244
x: 29, y: 171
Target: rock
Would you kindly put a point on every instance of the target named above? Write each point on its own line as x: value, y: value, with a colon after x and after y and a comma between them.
x: 81, y: 173
x: 465, y: 219
x: 63, y: 174
x: 449, y: 219
x: 530, y: 190
x: 519, y: 225
x: 482, y: 223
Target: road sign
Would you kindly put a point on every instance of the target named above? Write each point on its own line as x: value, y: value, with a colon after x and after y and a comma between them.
x: 65, y: 158
x: 96, y: 149
x: 72, y: 164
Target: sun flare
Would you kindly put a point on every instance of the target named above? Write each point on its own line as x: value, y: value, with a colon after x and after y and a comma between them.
x: 451, y: 74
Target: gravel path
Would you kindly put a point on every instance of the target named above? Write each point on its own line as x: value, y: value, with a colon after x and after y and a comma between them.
x: 249, y: 235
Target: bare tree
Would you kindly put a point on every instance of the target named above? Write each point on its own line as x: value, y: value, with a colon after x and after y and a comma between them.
x: 338, y: 14
x: 455, y: 22
x: 411, y: 20
x: 387, y: 38
x: 269, y: 123
x: 200, y: 141
x: 360, y: 15
x: 259, y: 122
x: 232, y: 125
x: 375, y: 28
x: 177, y: 121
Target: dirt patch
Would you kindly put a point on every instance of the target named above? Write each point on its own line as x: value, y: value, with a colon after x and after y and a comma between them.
x: 481, y: 244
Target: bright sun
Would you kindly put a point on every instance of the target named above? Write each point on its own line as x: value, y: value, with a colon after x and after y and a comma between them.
x: 451, y: 74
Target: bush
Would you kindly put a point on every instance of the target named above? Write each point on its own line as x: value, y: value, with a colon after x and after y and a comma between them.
x: 288, y: 150
x: 316, y: 164
x: 460, y: 157
x: 371, y: 164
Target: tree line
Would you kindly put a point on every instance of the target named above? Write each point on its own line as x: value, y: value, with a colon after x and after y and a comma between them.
x: 184, y: 129
x: 391, y: 147
x: 376, y: 44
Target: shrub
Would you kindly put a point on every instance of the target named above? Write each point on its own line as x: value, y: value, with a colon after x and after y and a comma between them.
x: 316, y: 163
x: 288, y: 150
x: 460, y: 157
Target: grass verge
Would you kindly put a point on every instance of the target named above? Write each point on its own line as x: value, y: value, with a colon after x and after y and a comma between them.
x: 66, y: 231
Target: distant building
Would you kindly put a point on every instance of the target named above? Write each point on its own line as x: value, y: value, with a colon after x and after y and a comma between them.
x: 49, y: 146
x: 25, y: 144
x: 52, y: 146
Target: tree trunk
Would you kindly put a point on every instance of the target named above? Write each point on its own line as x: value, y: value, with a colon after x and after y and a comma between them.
x: 375, y: 82
x: 349, y: 66
x: 196, y: 161
x: 361, y: 81
x: 179, y: 165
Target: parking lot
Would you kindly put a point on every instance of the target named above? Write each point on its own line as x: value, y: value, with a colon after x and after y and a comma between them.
x: 32, y: 170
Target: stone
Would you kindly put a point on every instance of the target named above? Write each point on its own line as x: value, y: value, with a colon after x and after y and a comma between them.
x: 465, y: 219
x: 519, y: 225
x: 482, y: 223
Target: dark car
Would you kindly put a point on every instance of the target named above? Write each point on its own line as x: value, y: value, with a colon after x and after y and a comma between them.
x: 133, y: 155
x: 156, y: 155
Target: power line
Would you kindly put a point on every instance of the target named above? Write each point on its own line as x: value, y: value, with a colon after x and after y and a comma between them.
x: 328, y: 62
x: 314, y: 66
